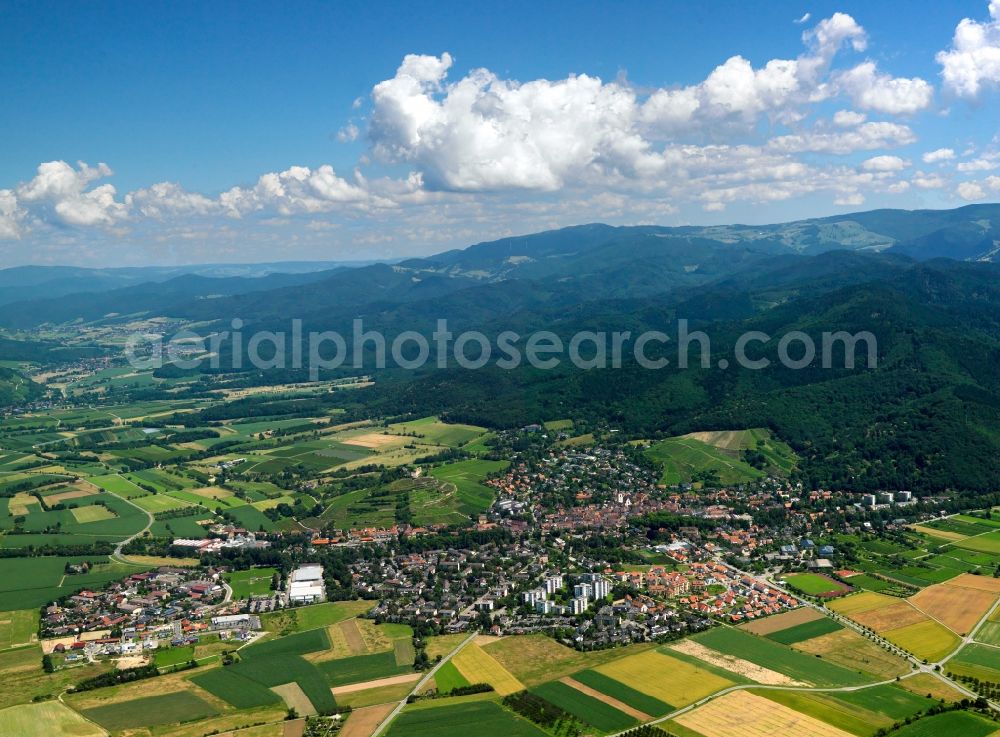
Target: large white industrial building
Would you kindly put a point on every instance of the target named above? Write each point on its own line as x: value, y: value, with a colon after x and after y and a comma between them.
x: 305, y: 585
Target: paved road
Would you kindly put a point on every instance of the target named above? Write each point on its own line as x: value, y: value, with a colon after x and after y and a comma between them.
x: 420, y: 684
x: 117, y: 555
x: 745, y: 686
x: 933, y: 669
x: 970, y: 638
x: 920, y: 666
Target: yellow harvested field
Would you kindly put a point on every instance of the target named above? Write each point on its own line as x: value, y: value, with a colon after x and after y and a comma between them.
x: 49, y: 646
x: 389, y: 456
x: 375, y: 696
x: 478, y: 667
x: 18, y: 504
x: 46, y: 719
x: 927, y: 639
x: 73, y: 493
x: 363, y: 722
x: 379, y: 683
x: 740, y: 667
x: 924, y: 683
x: 338, y: 646
x: 352, y: 636
x: 534, y: 659
x: 674, y: 681
x: 213, y: 492
x: 971, y: 581
x: 782, y: 621
x: 373, y: 639
x: 155, y: 560
x: 742, y: 714
x: 955, y: 605
x: 921, y: 623
x: 906, y: 625
x: 849, y: 649
x: 893, y: 616
x: 377, y: 440
x: 942, y: 534
x: 295, y: 698
x: 294, y: 728
x: 864, y: 602
x: 92, y: 513
x: 261, y: 730
x: 443, y: 644
x: 729, y: 439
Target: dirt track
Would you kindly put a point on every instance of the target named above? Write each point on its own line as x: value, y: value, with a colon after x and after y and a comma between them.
x: 391, y: 681
x: 778, y: 622
x: 610, y: 701
x: 735, y: 665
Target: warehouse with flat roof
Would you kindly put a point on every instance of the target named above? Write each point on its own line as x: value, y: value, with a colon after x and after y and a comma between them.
x: 305, y: 585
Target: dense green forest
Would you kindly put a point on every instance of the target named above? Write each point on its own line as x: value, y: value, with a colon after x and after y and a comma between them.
x: 926, y: 418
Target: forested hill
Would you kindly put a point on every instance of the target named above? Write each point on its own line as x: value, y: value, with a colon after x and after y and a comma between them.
x: 17, y: 389
x: 571, y: 264
x: 926, y: 418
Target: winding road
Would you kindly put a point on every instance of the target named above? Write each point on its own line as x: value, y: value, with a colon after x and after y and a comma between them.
x: 117, y: 555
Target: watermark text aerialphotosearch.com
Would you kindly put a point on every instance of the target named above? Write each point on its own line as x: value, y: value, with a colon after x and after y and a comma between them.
x: 365, y: 349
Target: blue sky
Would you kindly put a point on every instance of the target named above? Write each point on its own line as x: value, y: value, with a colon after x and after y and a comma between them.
x: 161, y: 133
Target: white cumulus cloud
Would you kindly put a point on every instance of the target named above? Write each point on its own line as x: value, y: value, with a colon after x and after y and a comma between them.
x: 852, y: 199
x: 848, y: 118
x: 938, y: 155
x: 971, y: 191
x: 983, y: 163
x: 168, y: 198
x: 973, y: 61
x: 485, y: 133
x: 928, y: 181
x: 67, y: 191
x: 885, y: 163
x: 471, y: 148
x: 864, y: 137
x: 298, y: 189
x: 11, y: 215
x: 872, y: 90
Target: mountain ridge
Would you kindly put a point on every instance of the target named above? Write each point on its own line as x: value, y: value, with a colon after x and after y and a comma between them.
x: 603, y: 260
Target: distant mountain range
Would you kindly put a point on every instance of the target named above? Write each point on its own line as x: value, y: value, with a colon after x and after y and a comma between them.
x: 923, y: 282
x: 556, y: 267
x: 29, y: 282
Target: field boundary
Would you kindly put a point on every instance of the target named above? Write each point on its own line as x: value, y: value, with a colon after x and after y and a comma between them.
x: 607, y: 699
